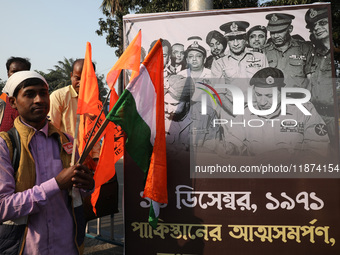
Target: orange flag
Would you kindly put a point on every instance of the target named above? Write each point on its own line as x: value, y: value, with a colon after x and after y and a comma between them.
x: 112, y: 150
x: 89, y: 105
x: 130, y: 59
x: 113, y: 144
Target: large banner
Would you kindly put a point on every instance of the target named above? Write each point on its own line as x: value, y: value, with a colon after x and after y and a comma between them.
x: 252, y: 134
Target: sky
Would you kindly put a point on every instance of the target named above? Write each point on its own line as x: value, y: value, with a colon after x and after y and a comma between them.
x: 47, y: 31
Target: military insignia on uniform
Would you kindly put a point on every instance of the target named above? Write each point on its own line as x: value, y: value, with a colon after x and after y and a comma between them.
x: 234, y: 27
x: 313, y: 13
x: 274, y: 18
x: 194, y: 45
x: 321, y: 129
x: 270, y: 80
x: 253, y: 59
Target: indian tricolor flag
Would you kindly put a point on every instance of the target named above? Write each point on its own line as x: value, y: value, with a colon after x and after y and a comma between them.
x: 140, y: 113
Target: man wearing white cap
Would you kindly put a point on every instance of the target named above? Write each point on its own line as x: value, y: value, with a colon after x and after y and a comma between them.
x: 36, y: 211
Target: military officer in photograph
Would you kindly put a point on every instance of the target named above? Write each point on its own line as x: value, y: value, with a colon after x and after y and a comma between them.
x: 257, y: 37
x: 294, y: 134
x: 195, y: 57
x: 217, y: 43
x: 183, y: 119
x: 239, y: 63
x: 321, y: 68
x: 292, y: 56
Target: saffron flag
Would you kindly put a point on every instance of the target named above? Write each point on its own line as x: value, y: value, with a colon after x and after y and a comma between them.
x: 140, y: 113
x: 112, y: 150
x: 130, y: 59
x: 89, y: 104
x: 113, y: 142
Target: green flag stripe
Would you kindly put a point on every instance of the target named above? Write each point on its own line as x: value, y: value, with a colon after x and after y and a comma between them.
x: 138, y: 144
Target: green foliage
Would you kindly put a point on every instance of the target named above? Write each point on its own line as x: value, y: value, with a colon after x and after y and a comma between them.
x: 112, y: 26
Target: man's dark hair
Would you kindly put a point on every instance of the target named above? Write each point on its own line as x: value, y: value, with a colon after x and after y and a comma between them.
x: 164, y: 43
x: 26, y: 83
x: 24, y: 61
x: 81, y: 59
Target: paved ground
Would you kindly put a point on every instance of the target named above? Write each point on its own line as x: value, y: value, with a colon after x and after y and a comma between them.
x: 113, y: 240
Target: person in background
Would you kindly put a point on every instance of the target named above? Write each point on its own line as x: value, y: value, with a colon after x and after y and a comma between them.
x: 292, y: 56
x: 217, y: 43
x: 257, y: 37
x: 239, y: 63
x: 300, y: 137
x: 321, y: 85
x: 13, y: 65
x: 64, y: 103
x: 178, y: 62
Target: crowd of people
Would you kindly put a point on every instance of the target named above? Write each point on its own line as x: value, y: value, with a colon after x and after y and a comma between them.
x: 238, y: 54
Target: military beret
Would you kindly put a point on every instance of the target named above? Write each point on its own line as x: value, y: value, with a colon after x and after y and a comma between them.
x: 278, y: 21
x: 257, y: 28
x: 315, y: 14
x: 217, y: 36
x: 268, y: 77
x: 234, y: 28
x: 181, y: 88
x: 195, y: 46
x: 14, y: 81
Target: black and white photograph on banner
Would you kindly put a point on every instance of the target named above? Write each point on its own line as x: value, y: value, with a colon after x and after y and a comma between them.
x: 251, y: 131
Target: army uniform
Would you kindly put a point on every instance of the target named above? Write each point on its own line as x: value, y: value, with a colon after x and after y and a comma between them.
x: 203, y: 76
x: 194, y: 127
x: 294, y: 132
x: 295, y: 61
x: 321, y: 75
x: 308, y: 133
x: 232, y: 69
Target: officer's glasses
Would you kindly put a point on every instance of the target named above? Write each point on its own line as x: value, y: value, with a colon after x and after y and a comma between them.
x: 321, y: 23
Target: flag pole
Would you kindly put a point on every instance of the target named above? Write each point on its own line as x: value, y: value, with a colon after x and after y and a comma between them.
x: 75, y: 141
x: 97, y: 119
x: 93, y: 141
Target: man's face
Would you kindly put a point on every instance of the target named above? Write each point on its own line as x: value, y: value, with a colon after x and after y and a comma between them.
x: 76, y: 75
x: 178, y: 53
x: 264, y: 97
x: 257, y: 39
x: 237, y: 44
x: 16, y: 67
x: 165, y: 55
x: 195, y: 60
x: 280, y: 38
x: 174, y: 109
x: 321, y: 29
x: 216, y: 47
x: 33, y: 104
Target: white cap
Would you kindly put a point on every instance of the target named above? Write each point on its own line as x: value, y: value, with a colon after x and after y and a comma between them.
x: 18, y: 77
